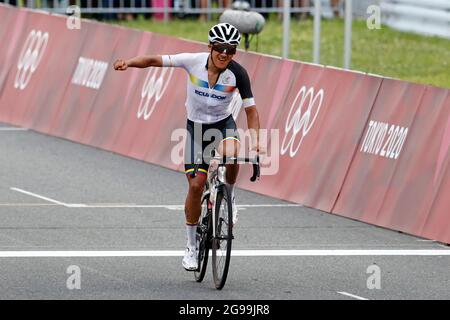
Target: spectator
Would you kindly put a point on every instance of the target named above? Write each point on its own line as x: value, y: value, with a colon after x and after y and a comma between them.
x: 297, y: 3
x: 204, y: 4
x: 335, y: 6
x: 160, y: 4
x: 263, y: 4
x: 11, y: 2
x: 107, y: 4
x: 125, y: 15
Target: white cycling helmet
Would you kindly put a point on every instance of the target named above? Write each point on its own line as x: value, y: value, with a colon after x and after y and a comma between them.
x: 224, y: 33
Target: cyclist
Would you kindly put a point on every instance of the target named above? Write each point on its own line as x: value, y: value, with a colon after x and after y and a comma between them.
x: 212, y: 78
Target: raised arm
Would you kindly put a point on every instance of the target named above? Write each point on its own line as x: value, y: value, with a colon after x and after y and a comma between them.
x: 139, y: 62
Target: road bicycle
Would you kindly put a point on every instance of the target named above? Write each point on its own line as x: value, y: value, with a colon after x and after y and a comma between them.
x: 215, y: 227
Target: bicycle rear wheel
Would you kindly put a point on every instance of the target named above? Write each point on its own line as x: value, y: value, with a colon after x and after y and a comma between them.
x: 221, y: 244
x: 203, y: 240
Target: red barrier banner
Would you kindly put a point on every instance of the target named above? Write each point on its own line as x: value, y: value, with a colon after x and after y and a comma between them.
x: 437, y: 225
x: 269, y: 92
x: 91, y: 65
x: 156, y: 107
x: 270, y: 95
x: 29, y: 67
x: 112, y: 104
x: 60, y: 62
x: 344, y: 142
x: 418, y: 187
x: 10, y: 20
x: 415, y: 182
x: 39, y: 73
x: 383, y: 150
x: 320, y: 124
x: 19, y: 63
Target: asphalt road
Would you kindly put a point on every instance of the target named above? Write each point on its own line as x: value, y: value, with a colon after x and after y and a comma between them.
x: 56, y: 195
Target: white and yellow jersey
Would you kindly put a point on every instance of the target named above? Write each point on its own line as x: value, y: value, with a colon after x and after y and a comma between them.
x: 203, y: 103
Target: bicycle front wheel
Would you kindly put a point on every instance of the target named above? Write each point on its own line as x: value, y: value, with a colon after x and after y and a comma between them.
x: 203, y: 240
x: 221, y: 245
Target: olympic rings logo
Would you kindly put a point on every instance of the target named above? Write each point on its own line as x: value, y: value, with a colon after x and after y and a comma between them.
x: 301, y: 121
x: 29, y: 57
x: 155, y: 85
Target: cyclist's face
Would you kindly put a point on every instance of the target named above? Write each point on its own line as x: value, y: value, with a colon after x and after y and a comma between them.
x: 222, y: 55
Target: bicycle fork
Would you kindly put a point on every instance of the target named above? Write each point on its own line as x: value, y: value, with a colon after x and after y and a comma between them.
x: 214, y: 186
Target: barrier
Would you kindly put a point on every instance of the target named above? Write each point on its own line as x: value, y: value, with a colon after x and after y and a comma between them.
x: 91, y: 67
x: 372, y: 171
x: 356, y: 145
x: 58, y: 64
x: 155, y: 110
x: 394, y: 181
x: 111, y: 106
x: 13, y: 23
x: 436, y: 226
x: 319, y: 129
x: 9, y: 33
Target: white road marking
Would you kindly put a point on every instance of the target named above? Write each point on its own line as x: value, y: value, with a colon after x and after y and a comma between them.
x: 269, y: 205
x: 352, y: 295
x: 107, y: 206
x: 339, y: 252
x: 133, y: 205
x: 181, y: 206
x: 13, y: 129
x: 40, y: 197
x: 76, y: 205
x: 236, y: 253
x: 112, y: 206
x: 27, y: 204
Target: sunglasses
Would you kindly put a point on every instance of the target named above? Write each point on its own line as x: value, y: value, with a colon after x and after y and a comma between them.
x: 223, y: 48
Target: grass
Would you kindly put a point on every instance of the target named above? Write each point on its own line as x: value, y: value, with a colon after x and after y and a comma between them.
x: 385, y: 51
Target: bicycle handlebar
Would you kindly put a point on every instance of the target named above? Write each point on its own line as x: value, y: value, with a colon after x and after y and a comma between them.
x: 225, y: 160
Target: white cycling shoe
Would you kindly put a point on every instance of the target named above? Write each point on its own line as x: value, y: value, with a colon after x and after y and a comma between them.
x: 190, y: 262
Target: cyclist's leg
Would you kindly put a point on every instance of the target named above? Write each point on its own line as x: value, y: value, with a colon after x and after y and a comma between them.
x: 193, y: 198
x: 229, y: 147
x: 194, y: 148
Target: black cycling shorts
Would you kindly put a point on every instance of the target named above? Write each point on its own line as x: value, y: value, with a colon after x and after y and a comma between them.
x: 202, y: 139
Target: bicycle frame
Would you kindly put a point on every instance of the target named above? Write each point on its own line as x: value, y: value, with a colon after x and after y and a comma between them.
x: 215, y: 181
x: 211, y: 229
x: 216, y: 177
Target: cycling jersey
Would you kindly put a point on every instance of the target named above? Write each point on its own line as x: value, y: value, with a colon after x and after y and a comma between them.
x: 203, y: 103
